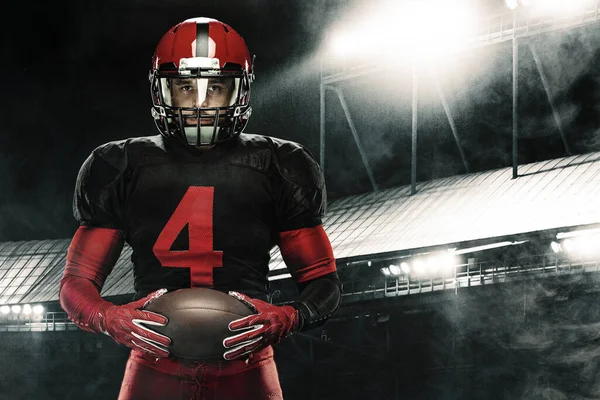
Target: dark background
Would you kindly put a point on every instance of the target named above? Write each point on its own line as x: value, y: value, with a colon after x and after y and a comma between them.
x: 74, y: 75
x: 536, y: 339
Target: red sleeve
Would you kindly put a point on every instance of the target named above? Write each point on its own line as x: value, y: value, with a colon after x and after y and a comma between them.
x: 307, y: 253
x: 91, y: 257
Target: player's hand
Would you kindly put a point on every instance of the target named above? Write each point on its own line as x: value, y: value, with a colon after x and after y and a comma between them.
x: 268, y: 326
x: 126, y: 325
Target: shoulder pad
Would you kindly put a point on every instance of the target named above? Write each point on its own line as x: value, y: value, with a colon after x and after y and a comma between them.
x: 131, y: 152
x: 113, y: 153
x: 297, y: 165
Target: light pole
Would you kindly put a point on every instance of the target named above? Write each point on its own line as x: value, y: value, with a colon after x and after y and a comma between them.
x: 515, y: 94
x: 514, y: 6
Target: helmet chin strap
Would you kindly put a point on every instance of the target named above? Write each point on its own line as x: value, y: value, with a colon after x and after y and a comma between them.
x: 206, y: 135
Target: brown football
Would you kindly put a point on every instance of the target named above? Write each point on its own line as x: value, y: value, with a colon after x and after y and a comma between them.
x: 198, y: 321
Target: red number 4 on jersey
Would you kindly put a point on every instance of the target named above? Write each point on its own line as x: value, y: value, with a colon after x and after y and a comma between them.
x: 196, y: 211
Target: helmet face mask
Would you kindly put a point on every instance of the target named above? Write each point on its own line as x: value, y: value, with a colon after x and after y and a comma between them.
x: 201, y: 100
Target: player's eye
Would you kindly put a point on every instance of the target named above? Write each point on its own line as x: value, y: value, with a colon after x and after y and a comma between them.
x: 215, y: 88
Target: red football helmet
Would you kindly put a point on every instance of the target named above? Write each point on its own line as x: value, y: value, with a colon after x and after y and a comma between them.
x: 200, y: 82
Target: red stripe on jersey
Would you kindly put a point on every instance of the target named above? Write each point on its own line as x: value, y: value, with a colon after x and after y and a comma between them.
x: 307, y: 253
x: 93, y: 253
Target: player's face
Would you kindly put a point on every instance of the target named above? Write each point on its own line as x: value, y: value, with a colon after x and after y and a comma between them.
x: 210, y: 96
x: 207, y: 92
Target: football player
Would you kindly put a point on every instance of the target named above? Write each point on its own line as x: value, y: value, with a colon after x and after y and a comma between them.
x: 201, y: 204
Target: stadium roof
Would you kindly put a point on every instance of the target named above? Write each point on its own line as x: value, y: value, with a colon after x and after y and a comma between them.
x: 557, y: 193
x: 547, y: 195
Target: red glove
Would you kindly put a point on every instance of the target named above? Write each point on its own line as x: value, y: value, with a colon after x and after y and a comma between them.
x: 268, y: 326
x: 92, y: 255
x: 125, y: 324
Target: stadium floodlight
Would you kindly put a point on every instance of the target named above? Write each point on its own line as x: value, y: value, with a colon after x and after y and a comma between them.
x: 27, y: 309
x: 582, y: 246
x: 582, y: 243
x: 395, y: 270
x: 448, y: 260
x: 400, y: 30
x: 432, y: 263
x: 16, y: 309
x: 512, y: 4
x: 405, y: 267
x: 419, y: 266
x: 555, y: 247
x: 587, y: 245
x: 38, y: 309
x: 568, y: 245
x: 386, y: 271
x: 4, y: 309
x: 441, y: 262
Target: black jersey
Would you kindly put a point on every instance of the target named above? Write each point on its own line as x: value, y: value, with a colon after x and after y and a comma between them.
x: 200, y: 218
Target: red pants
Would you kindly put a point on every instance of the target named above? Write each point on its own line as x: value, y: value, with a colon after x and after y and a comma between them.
x: 147, y: 378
